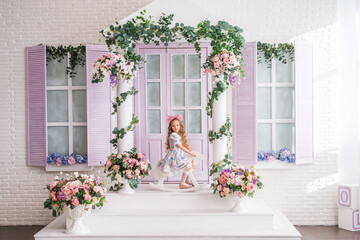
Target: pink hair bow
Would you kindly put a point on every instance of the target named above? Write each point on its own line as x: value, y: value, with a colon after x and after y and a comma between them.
x: 179, y: 117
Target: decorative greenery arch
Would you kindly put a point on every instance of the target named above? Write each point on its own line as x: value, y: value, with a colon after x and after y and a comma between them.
x: 224, y: 39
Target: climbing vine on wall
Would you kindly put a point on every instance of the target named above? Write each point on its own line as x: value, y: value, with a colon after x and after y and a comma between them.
x: 76, y: 56
x: 273, y: 51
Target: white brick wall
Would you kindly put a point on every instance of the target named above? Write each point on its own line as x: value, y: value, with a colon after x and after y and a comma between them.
x: 306, y: 194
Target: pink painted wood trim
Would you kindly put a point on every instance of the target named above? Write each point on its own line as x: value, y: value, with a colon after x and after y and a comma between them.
x: 340, y: 197
x: 304, y: 124
x: 36, y: 105
x: 98, y: 97
x: 244, y: 111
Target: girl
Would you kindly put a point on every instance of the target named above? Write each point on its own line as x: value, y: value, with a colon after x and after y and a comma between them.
x: 176, y: 145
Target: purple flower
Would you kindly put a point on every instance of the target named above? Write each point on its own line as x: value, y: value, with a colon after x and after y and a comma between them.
x: 58, y: 161
x: 113, y: 81
x: 226, y: 170
x: 61, y: 196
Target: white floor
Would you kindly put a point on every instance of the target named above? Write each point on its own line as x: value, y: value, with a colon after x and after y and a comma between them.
x: 150, y: 214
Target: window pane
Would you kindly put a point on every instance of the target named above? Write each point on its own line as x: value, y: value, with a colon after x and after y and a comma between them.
x: 79, y: 105
x: 153, y: 94
x: 177, y: 112
x: 58, y: 140
x: 264, y: 102
x: 285, y: 136
x: 195, y: 121
x: 284, y: 72
x: 80, y: 140
x: 264, y: 137
x: 80, y: 76
x: 285, y: 102
x: 57, y: 106
x: 153, y: 66
x: 178, y: 66
x: 153, y: 121
x: 263, y: 72
x: 194, y: 93
x: 178, y: 94
x: 56, y: 73
x: 194, y: 66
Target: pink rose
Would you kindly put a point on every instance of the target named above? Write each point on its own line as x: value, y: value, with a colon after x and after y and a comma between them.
x: 239, y: 194
x: 219, y: 188
x: 52, y: 185
x: 116, y: 167
x: 58, y: 161
x: 226, y: 191
x: 53, y: 196
x: 87, y: 197
x: 75, y: 201
x: 139, y: 155
x: 250, y: 187
x: 137, y: 172
x: 270, y: 158
x: 96, y: 189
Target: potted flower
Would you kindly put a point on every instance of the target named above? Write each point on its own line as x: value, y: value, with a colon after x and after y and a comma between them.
x: 115, y: 66
x: 76, y: 194
x: 127, y: 169
x: 238, y: 182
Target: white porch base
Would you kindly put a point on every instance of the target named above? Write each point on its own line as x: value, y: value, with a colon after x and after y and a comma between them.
x: 150, y: 214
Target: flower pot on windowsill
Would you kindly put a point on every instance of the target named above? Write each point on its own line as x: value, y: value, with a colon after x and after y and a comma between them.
x: 238, y: 204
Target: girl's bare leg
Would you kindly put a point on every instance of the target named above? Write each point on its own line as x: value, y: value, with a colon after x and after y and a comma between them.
x: 182, y: 184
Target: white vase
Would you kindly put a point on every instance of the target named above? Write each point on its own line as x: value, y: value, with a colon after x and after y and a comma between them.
x: 74, y: 219
x: 238, y: 205
x: 126, y: 189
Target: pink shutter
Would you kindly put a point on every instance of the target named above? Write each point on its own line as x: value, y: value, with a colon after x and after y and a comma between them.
x: 36, y: 105
x: 244, y: 111
x: 98, y: 110
x: 304, y: 140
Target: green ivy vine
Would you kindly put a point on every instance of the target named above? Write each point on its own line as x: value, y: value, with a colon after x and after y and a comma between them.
x: 219, y: 166
x: 223, y: 131
x: 273, y: 51
x: 122, y: 98
x: 120, y: 133
x: 222, y: 36
x: 77, y: 56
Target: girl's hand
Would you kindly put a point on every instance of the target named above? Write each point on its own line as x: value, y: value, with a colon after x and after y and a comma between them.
x: 193, y: 154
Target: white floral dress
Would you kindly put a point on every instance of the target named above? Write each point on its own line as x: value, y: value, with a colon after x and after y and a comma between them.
x: 174, y: 159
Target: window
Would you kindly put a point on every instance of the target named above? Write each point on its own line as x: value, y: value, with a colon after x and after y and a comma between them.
x: 275, y: 106
x: 66, y: 115
x: 66, y: 109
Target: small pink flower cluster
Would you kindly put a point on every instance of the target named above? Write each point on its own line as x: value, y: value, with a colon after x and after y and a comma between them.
x: 74, y: 190
x: 237, y: 180
x: 129, y: 165
x: 227, y: 66
x: 115, y: 66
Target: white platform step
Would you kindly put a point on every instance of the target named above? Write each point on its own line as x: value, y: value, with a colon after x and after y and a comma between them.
x: 150, y: 214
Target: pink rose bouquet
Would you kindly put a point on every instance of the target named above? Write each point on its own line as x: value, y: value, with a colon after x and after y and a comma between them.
x: 74, y: 190
x: 227, y: 66
x: 129, y: 165
x: 115, y: 66
x: 236, y: 180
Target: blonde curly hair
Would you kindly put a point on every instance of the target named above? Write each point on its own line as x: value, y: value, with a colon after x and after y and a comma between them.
x: 181, y: 133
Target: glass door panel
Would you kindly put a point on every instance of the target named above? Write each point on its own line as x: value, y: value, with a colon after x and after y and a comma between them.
x: 153, y: 94
x: 194, y: 66
x: 178, y: 66
x: 195, y: 121
x: 194, y: 93
x: 178, y: 94
x: 152, y: 66
x: 153, y: 121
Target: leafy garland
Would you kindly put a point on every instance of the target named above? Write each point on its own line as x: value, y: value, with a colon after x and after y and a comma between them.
x: 271, y: 51
x: 223, y: 36
x: 120, y: 133
x: 122, y: 98
x: 223, y: 131
x: 77, y: 56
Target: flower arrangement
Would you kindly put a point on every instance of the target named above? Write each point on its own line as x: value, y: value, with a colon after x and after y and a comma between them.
x: 129, y: 165
x: 59, y: 160
x: 74, y: 190
x: 226, y: 66
x: 284, y: 155
x: 236, y: 180
x: 115, y: 66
